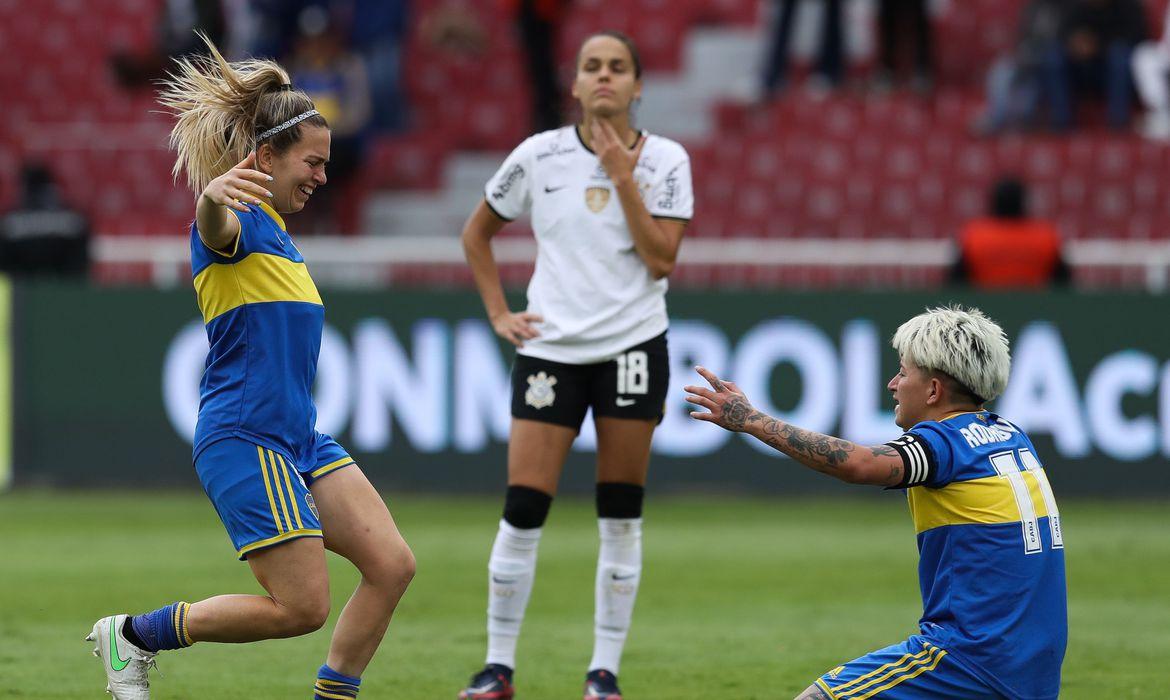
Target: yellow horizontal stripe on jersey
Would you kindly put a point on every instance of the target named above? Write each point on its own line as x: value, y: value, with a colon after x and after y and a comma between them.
x: 258, y: 278
x: 988, y: 500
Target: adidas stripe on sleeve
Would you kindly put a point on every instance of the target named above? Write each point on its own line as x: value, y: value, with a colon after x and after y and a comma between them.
x: 917, y: 458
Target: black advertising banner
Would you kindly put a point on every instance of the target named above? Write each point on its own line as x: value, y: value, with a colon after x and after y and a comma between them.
x: 415, y: 385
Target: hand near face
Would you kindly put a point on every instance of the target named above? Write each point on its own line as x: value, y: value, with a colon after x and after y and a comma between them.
x: 617, y: 160
x: 242, y: 183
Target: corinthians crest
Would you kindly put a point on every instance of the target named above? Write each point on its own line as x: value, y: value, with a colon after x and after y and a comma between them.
x: 540, y: 390
x: 596, y: 198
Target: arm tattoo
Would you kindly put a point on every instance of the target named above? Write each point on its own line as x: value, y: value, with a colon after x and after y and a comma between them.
x: 737, y: 413
x: 821, y: 452
x: 895, y: 475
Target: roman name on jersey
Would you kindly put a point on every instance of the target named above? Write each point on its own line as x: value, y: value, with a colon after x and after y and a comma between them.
x: 977, y: 435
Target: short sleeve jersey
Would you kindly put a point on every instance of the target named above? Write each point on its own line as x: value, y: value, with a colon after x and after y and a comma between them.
x: 264, y: 319
x: 596, y: 296
x: 991, y: 552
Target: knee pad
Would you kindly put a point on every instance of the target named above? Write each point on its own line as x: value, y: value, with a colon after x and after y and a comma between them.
x: 616, y: 500
x: 526, y: 508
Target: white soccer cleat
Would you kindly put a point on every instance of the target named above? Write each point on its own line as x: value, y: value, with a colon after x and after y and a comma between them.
x: 126, y: 665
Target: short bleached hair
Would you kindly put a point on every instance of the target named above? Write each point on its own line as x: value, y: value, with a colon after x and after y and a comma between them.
x: 962, y: 343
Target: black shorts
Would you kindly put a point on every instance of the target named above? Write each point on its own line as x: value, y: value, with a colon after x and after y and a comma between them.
x: 632, y: 385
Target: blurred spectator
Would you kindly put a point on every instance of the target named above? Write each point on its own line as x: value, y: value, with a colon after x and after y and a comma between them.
x: 1093, y: 56
x: 276, y: 26
x: 176, y: 37
x: 43, y: 235
x: 374, y: 29
x: 454, y: 27
x: 335, y: 79
x: 829, y: 67
x: 1151, y: 72
x: 539, y: 25
x: 1014, y: 81
x: 903, y: 25
x: 1008, y: 249
x: 377, y: 31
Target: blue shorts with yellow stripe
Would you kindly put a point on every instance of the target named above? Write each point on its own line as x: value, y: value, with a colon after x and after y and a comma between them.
x: 261, y: 496
x: 912, y: 670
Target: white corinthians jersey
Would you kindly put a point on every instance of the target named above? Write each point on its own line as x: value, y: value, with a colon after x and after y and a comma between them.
x: 595, y: 294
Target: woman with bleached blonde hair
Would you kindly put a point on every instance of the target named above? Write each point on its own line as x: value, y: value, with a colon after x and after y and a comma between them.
x: 255, y: 150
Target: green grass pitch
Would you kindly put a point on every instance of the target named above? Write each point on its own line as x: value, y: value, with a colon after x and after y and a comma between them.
x: 741, y: 598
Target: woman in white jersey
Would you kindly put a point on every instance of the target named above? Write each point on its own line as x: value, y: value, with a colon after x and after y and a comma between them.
x: 608, y: 205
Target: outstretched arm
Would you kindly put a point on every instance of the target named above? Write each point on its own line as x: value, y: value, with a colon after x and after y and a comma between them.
x: 728, y: 408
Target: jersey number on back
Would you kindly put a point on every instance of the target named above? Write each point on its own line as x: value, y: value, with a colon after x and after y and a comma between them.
x: 1009, y: 467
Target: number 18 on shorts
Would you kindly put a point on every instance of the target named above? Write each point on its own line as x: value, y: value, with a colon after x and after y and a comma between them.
x: 632, y: 385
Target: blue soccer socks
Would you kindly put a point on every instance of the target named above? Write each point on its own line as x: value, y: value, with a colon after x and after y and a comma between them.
x: 165, y: 628
x: 332, y: 685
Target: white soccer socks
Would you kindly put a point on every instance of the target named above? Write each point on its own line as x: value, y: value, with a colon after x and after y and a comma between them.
x: 619, y: 569
x: 511, y: 571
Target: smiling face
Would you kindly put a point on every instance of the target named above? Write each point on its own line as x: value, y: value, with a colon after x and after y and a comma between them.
x: 606, y: 83
x: 915, y: 391
x: 298, y: 171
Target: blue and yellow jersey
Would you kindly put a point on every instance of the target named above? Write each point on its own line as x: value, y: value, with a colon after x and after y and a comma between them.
x: 991, y: 564
x: 264, y: 319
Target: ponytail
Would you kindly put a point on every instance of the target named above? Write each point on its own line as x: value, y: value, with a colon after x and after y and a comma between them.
x: 221, y: 109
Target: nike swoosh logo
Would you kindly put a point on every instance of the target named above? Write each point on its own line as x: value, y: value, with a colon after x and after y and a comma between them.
x: 627, y: 577
x: 116, y: 661
x: 548, y: 189
x: 503, y: 581
x: 624, y: 402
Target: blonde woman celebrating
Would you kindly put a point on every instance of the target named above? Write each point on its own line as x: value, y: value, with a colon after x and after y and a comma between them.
x: 609, y: 205
x: 255, y: 150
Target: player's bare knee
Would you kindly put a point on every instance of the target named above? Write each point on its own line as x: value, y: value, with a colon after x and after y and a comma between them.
x: 392, y: 570
x: 400, y: 567
x: 305, y: 615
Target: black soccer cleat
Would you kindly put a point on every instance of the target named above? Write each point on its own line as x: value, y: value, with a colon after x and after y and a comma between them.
x: 494, y: 682
x: 601, y: 685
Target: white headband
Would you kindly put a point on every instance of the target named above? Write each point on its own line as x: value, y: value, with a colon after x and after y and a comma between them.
x: 291, y: 122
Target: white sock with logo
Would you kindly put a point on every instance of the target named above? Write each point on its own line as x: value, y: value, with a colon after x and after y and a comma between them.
x: 619, y: 569
x: 511, y: 570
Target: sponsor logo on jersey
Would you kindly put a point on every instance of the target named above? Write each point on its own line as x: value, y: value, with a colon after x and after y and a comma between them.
x: 540, y: 390
x: 514, y: 175
x: 669, y: 190
x: 556, y: 150
x: 596, y: 198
